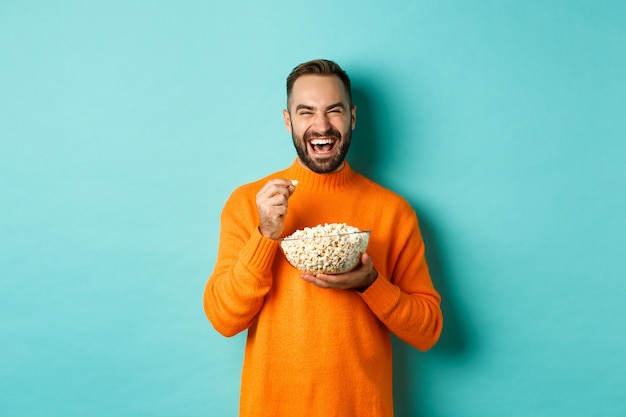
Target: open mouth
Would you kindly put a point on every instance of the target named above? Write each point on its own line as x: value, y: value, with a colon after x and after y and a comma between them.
x: 322, y: 146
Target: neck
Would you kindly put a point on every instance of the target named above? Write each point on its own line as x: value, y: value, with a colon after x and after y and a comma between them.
x: 315, y: 182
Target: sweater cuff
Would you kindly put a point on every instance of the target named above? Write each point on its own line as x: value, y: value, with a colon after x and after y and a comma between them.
x: 258, y: 254
x: 381, y: 296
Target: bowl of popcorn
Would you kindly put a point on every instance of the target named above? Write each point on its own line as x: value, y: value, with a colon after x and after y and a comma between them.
x: 332, y: 248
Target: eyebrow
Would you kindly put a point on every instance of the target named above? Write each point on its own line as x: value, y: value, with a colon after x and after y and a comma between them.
x: 332, y: 106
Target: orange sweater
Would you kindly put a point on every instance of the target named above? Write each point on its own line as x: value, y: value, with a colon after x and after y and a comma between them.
x: 312, y: 351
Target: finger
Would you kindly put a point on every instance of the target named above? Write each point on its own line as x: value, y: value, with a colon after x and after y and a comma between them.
x: 273, y: 214
x: 279, y: 212
x: 275, y: 195
x: 281, y: 185
x: 325, y: 281
x: 272, y: 196
x: 279, y: 182
x: 315, y: 280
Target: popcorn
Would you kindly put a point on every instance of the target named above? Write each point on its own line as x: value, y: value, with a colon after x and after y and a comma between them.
x: 330, y: 248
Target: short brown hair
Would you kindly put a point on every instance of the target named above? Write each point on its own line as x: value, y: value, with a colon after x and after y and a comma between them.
x: 319, y: 67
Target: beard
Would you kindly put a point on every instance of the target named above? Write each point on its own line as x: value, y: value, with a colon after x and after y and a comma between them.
x: 325, y: 165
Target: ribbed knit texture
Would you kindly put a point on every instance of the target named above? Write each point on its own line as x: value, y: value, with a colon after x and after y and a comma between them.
x: 311, y: 351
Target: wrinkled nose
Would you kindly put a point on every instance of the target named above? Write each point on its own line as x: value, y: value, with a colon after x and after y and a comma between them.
x: 321, y: 123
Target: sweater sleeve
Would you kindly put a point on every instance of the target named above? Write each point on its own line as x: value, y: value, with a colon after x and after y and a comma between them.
x: 403, y: 296
x: 242, y: 276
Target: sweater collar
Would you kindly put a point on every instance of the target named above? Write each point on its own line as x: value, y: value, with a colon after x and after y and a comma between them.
x: 320, y: 182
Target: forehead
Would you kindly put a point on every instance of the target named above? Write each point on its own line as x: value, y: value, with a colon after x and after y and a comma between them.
x: 317, y: 91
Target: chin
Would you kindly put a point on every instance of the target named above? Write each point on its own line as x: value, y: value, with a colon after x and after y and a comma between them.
x: 325, y: 165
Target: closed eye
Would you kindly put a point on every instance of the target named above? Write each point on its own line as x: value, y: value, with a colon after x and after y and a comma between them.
x: 336, y: 108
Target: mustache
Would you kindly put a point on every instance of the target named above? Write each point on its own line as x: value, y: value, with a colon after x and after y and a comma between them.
x: 330, y: 132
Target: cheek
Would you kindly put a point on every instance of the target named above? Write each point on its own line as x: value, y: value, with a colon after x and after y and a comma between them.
x: 344, y: 126
x: 299, y: 128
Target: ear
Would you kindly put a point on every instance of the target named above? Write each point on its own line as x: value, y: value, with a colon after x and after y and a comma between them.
x: 287, y: 119
x: 353, y: 117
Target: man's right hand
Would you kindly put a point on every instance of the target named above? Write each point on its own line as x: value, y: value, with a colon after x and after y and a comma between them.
x: 271, y: 203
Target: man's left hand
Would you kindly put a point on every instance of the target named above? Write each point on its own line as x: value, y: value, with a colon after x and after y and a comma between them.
x: 359, y: 278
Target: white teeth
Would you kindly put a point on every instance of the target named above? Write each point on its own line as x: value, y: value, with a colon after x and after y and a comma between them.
x: 321, y: 142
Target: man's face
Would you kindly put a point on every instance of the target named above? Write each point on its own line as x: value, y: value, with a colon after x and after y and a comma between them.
x: 320, y: 121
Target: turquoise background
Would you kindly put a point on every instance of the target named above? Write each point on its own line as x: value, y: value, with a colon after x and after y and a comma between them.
x: 125, y: 125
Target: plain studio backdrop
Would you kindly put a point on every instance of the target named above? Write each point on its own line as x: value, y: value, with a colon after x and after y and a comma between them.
x: 125, y: 125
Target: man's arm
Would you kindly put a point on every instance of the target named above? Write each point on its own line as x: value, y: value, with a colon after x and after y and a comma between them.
x: 406, y: 300
x: 402, y: 296
x: 242, y: 277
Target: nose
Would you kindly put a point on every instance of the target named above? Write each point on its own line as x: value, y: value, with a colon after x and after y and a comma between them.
x: 321, y: 122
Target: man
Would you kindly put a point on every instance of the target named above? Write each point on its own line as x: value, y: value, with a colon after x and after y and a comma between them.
x: 320, y: 345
